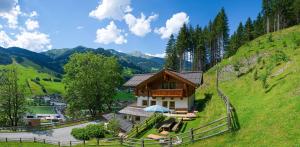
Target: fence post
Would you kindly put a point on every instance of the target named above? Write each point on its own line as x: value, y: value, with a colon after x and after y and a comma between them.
x: 170, y: 141
x: 70, y: 143
x: 121, y: 140
x: 44, y: 141
x: 137, y: 130
x: 143, y: 143
x: 84, y: 142
x: 59, y: 144
x: 20, y: 140
x: 97, y: 141
x: 34, y: 139
x: 192, y: 134
x: 6, y: 139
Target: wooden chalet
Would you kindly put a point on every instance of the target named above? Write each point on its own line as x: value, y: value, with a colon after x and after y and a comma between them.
x: 167, y: 88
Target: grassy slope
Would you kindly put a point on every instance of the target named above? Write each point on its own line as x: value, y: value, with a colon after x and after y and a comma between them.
x: 266, y: 118
x: 28, y: 71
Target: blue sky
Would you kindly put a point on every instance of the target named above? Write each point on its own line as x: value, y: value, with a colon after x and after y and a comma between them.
x: 40, y: 25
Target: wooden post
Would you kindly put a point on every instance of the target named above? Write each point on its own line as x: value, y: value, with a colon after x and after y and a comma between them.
x: 20, y: 140
x: 83, y: 142
x: 34, y: 139
x: 143, y: 145
x: 6, y: 139
x: 70, y: 143
x: 44, y: 141
x: 170, y: 141
x: 192, y: 135
x: 58, y: 144
x: 121, y: 140
x: 97, y: 141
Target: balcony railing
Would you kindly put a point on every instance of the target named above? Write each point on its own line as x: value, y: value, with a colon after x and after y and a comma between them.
x: 167, y: 92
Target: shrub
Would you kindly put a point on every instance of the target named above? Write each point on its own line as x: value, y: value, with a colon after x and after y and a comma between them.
x: 96, y: 130
x: 270, y: 38
x: 279, y: 57
x: 47, y: 79
x: 255, y: 76
x: 297, y: 42
x: 56, y: 80
x: 37, y: 79
x: 284, y: 44
x: 114, y: 126
x: 80, y: 133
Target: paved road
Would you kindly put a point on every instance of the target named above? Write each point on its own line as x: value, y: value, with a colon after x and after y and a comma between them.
x: 61, y: 134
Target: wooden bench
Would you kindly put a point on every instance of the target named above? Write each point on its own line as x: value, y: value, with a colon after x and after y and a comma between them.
x: 177, y: 126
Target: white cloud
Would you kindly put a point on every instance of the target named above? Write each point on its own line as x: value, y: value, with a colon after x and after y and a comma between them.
x: 33, y: 14
x: 112, y: 9
x: 110, y: 34
x: 173, y: 25
x: 139, y: 26
x: 5, y: 40
x: 1, y: 27
x: 11, y: 15
x: 34, y: 41
x: 162, y: 55
x: 32, y: 24
x: 79, y: 27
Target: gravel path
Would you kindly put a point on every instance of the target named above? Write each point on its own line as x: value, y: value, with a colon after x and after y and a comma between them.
x: 61, y: 134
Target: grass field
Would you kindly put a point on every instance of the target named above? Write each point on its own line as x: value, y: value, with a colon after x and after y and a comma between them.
x: 41, y: 109
x: 267, y: 116
x: 28, y: 71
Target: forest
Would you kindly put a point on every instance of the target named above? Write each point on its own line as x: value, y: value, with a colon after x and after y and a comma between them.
x: 204, y: 47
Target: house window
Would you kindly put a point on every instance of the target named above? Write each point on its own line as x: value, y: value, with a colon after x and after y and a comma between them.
x: 153, y: 103
x: 137, y: 118
x: 172, y: 105
x: 144, y: 103
x: 125, y: 117
x: 168, y: 85
x: 165, y: 104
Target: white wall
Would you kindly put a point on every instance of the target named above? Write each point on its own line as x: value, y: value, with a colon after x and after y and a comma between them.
x: 179, y: 103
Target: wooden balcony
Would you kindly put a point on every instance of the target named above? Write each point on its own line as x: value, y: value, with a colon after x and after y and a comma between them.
x: 167, y: 93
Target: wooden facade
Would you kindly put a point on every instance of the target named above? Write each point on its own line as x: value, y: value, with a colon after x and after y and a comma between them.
x: 165, y: 84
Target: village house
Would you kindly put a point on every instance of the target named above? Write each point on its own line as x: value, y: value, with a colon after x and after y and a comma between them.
x: 167, y: 88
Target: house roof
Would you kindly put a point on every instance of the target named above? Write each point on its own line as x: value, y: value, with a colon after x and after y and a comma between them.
x: 194, y: 77
x: 125, y: 125
x: 135, y: 111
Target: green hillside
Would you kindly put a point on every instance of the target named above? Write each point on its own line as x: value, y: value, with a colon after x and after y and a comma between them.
x: 36, y: 81
x: 268, y: 112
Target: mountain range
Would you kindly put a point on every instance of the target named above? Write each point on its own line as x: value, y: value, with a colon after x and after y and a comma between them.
x: 53, y: 60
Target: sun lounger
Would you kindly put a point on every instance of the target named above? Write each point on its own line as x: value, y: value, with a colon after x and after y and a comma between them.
x: 164, y: 133
x: 155, y: 137
x: 191, y: 115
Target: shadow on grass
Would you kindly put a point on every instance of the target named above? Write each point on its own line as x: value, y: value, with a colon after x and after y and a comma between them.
x: 235, y: 120
x: 201, y: 103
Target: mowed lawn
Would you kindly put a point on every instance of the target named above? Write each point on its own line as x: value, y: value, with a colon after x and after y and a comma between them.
x: 41, y: 109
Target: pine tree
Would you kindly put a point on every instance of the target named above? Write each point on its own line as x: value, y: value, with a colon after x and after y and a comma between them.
x: 267, y: 11
x: 171, y: 54
x: 182, y: 44
x: 225, y: 30
x: 258, y: 26
x: 296, y: 9
x: 248, y: 32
